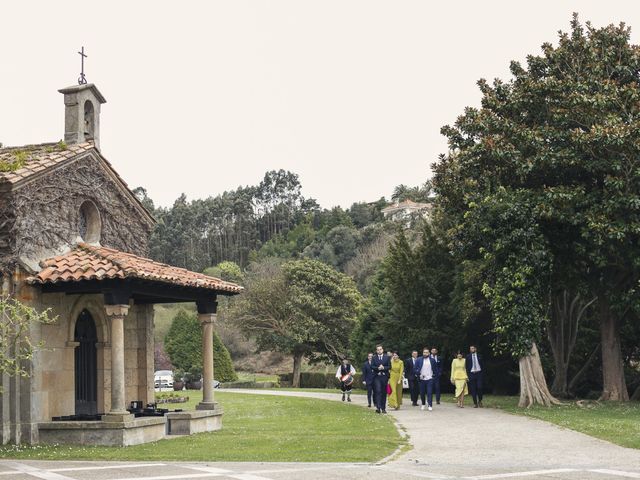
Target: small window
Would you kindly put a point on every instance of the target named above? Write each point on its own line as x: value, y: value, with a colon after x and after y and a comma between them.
x: 89, y: 225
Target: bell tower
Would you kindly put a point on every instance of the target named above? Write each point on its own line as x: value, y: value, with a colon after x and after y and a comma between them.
x: 82, y: 113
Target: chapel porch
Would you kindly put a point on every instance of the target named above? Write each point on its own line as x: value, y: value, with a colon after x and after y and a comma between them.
x: 113, y: 292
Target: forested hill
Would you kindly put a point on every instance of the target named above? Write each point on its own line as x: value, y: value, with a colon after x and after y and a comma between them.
x: 530, y: 252
x: 272, y: 219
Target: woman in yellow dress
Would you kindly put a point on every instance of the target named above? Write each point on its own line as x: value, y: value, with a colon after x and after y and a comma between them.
x: 395, y: 380
x: 459, y: 378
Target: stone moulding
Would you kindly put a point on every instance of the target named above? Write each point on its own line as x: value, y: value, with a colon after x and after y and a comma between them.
x: 109, y: 434
x: 130, y: 432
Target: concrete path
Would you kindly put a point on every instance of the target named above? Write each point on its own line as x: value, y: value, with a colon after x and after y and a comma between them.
x: 448, y: 443
x: 470, y: 442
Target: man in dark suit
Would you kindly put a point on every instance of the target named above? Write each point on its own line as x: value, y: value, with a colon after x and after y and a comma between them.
x: 474, y: 364
x: 368, y: 376
x: 414, y: 383
x: 424, y: 370
x: 381, y: 365
x: 437, y: 374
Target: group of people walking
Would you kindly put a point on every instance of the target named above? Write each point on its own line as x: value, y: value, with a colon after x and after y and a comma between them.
x: 384, y: 376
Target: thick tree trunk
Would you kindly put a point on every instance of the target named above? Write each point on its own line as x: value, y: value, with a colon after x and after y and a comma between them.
x: 560, y: 385
x: 567, y: 311
x: 533, y: 386
x: 585, y: 367
x: 297, y: 365
x: 614, y: 386
x: 556, y: 336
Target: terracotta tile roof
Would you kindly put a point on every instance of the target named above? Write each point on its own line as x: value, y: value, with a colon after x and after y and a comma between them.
x: 32, y: 159
x: 88, y: 262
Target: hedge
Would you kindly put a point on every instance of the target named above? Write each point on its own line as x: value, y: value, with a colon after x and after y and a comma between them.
x: 320, y: 380
x: 249, y: 384
x: 329, y: 380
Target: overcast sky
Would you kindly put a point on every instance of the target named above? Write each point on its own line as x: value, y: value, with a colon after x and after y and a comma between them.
x: 205, y: 96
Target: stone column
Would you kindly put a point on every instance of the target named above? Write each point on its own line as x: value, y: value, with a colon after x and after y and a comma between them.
x: 118, y: 412
x: 207, y: 321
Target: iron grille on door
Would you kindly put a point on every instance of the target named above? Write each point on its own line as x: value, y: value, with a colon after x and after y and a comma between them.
x: 86, y: 365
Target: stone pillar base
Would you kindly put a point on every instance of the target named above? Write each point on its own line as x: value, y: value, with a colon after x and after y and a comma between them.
x: 207, y: 406
x: 118, y: 417
x: 188, y: 423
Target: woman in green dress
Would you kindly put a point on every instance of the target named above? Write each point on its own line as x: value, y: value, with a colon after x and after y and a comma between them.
x: 459, y: 378
x: 395, y: 381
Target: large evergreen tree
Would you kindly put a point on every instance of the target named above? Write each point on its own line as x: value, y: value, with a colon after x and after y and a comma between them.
x: 413, y: 302
x: 544, y: 175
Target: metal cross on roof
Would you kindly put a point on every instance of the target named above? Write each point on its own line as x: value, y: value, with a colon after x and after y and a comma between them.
x: 82, y: 80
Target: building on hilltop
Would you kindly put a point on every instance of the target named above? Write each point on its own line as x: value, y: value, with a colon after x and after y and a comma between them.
x: 73, y: 239
x: 406, y: 210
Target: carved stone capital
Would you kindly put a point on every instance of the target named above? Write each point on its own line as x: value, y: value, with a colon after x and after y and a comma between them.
x: 205, y: 318
x: 116, y: 310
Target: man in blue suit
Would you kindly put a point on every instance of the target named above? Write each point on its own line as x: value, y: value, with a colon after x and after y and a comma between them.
x: 424, y: 370
x: 414, y: 382
x: 474, y: 365
x: 437, y: 374
x: 368, y: 376
x: 381, y: 364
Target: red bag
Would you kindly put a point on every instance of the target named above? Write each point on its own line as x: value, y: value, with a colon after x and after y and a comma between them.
x: 389, y: 389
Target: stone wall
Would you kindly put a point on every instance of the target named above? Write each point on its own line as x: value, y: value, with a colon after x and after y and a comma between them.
x: 50, y: 390
x: 42, y: 218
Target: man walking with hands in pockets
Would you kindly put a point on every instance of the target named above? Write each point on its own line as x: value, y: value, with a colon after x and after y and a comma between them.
x: 424, y: 369
x: 474, y: 365
x: 409, y: 374
x: 368, y: 376
x: 381, y: 365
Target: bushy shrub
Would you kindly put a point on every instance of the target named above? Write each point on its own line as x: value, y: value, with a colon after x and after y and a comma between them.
x: 183, y: 344
x: 222, y: 364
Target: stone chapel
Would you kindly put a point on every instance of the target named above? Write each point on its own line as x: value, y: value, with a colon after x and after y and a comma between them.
x: 74, y: 239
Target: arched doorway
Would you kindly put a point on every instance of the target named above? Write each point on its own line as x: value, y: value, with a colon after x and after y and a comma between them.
x: 86, y: 364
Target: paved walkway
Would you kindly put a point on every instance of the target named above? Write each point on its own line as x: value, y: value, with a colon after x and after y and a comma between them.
x: 448, y: 443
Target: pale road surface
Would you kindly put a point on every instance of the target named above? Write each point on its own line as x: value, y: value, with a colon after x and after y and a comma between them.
x: 448, y: 443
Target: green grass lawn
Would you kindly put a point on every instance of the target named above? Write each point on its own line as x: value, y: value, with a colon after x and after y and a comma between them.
x: 614, y: 422
x: 337, y: 391
x: 255, y: 428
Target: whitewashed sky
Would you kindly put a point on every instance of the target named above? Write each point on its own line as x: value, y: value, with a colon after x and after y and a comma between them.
x: 205, y: 96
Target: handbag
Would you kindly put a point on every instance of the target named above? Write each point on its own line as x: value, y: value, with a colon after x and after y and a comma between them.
x: 389, y: 389
x: 405, y: 383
